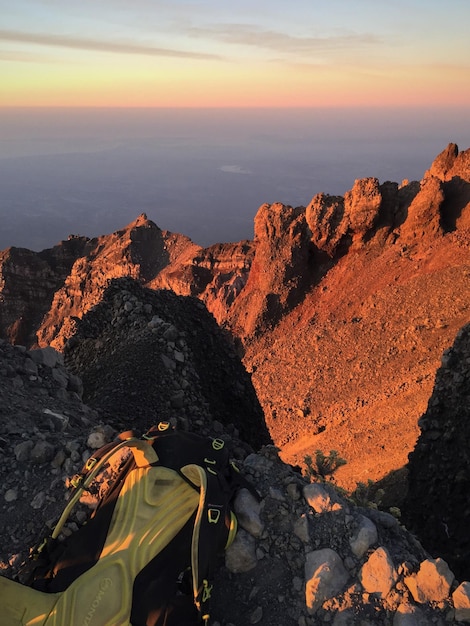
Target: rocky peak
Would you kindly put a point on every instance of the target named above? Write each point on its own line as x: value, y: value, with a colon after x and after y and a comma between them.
x: 453, y: 169
x: 361, y: 208
x: 141, y: 250
x: 451, y: 163
x: 325, y: 219
x: 424, y: 220
x: 279, y: 269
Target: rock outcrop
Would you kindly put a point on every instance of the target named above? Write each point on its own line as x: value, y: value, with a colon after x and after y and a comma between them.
x: 453, y: 169
x: 279, y: 273
x: 29, y: 282
x: 450, y: 164
x: 216, y: 275
x: 140, y: 251
x: 370, y: 211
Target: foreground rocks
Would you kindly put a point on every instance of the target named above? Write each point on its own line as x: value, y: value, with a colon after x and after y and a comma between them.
x: 305, y: 554
x: 308, y: 556
x: 42, y: 423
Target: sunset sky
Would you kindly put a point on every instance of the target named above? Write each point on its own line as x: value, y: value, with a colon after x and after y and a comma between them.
x: 245, y: 53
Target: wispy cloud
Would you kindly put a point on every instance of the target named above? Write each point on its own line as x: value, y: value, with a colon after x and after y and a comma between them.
x: 251, y: 35
x: 95, y: 45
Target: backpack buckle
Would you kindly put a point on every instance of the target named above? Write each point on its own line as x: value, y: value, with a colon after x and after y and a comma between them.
x: 90, y: 463
x: 206, y: 591
x: 213, y: 515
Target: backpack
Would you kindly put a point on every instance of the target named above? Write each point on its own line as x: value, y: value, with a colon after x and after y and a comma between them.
x: 147, y: 555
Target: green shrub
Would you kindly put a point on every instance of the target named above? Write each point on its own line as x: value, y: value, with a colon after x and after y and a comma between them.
x: 367, y: 495
x: 322, y: 467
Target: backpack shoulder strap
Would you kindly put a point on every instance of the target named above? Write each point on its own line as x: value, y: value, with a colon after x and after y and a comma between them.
x: 215, y: 527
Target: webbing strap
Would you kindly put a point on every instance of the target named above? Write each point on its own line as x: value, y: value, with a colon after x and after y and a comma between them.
x: 198, y: 477
x: 144, y: 455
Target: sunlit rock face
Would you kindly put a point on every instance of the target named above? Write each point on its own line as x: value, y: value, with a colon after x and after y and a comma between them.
x: 451, y: 163
x: 28, y: 284
x: 368, y: 214
x: 216, y: 275
x: 248, y: 286
x: 43, y: 293
x: 452, y: 168
x: 279, y: 271
x: 138, y: 251
x: 424, y: 218
x: 325, y: 218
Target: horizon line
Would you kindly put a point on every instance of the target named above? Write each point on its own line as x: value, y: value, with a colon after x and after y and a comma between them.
x: 235, y: 107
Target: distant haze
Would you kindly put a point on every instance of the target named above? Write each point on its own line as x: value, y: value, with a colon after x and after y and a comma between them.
x: 200, y: 172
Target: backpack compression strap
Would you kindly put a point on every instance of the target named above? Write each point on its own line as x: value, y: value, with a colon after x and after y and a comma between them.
x: 144, y: 455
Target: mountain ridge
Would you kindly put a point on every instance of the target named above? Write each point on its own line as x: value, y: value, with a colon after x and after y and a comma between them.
x: 299, y: 245
x: 322, y: 300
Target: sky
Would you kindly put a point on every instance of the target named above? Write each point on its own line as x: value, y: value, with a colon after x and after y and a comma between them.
x: 249, y: 53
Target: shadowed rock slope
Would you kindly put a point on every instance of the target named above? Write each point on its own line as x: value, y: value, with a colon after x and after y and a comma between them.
x: 438, y: 503
x: 149, y: 355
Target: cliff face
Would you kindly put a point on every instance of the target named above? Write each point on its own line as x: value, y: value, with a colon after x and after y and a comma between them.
x: 279, y: 271
x: 217, y: 275
x: 248, y: 286
x: 28, y: 284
